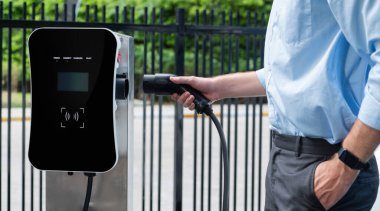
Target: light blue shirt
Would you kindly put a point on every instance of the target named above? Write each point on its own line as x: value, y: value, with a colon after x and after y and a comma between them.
x: 322, y: 66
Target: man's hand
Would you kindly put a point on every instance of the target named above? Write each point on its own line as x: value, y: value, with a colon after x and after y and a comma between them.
x: 204, y: 85
x: 332, y: 180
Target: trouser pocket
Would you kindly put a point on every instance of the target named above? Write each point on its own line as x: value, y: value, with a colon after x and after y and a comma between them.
x: 293, y: 182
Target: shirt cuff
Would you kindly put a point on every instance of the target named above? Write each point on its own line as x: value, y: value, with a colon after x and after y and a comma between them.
x: 262, y: 75
x: 369, y: 112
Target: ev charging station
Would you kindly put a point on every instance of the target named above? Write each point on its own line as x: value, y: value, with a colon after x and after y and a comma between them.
x: 82, y: 116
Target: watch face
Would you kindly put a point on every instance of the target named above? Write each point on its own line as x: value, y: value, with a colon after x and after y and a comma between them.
x: 72, y: 74
x: 345, y: 157
x: 342, y: 154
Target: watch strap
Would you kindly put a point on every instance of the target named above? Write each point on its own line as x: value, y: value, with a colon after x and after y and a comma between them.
x: 351, y: 160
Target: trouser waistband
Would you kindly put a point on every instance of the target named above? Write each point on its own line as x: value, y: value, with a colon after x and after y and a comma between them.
x: 299, y: 144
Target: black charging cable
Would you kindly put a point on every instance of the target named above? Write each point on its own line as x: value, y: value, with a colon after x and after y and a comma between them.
x: 90, y: 178
x: 208, y: 111
x: 160, y: 84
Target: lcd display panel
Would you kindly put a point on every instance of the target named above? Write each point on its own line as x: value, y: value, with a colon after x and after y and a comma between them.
x: 72, y: 81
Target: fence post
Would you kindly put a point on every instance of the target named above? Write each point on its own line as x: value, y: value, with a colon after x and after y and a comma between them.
x: 178, y: 131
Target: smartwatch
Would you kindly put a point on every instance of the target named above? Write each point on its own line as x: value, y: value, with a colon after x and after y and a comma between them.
x: 351, y: 160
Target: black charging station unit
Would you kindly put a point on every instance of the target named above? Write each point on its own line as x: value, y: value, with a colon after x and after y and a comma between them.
x: 72, y: 126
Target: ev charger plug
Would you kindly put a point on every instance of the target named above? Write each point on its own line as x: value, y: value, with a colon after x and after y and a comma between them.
x: 160, y: 84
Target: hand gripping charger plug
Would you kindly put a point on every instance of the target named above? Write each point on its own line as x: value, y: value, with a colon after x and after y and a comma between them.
x: 160, y: 84
x: 75, y: 85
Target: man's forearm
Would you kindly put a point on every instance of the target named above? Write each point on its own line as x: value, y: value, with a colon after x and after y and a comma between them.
x: 362, y: 141
x: 245, y: 84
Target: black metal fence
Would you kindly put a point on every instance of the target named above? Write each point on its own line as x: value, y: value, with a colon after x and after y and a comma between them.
x: 207, y: 43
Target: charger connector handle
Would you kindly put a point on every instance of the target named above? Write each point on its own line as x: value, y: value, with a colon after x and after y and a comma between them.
x: 160, y: 84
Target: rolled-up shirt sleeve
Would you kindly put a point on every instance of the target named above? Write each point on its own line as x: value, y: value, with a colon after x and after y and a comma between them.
x: 262, y: 75
x: 359, y: 21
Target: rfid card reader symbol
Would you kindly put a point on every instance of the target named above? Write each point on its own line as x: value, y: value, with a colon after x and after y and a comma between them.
x: 72, y: 118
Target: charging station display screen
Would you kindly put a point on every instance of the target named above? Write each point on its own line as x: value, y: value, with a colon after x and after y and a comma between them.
x: 72, y: 81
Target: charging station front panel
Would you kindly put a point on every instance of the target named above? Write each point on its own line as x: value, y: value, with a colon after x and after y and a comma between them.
x: 73, y: 85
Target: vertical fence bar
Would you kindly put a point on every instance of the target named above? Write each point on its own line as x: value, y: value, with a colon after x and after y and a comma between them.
x: 41, y: 173
x: 133, y: 17
x: 32, y: 168
x: 9, y: 90
x: 254, y: 100
x: 260, y: 148
x: 56, y: 12
x: 73, y: 9
x: 253, y: 160
x: 204, y: 43
x: 178, y: 134
x: 246, y: 101
x: 210, y: 121
x: 125, y: 14
x: 160, y: 99
x: 116, y: 14
x: 229, y: 101
x: 196, y: 72
x: 144, y: 110
x: 153, y: 43
x: 104, y: 10
x: 254, y: 118
x: 65, y: 12
x: 87, y: 13
x: 23, y: 89
x: 1, y: 106
x: 95, y: 13
x: 261, y: 101
x: 221, y: 113
x: 236, y: 109
x: 42, y: 11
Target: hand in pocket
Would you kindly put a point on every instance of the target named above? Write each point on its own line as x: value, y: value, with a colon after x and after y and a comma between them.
x: 332, y: 180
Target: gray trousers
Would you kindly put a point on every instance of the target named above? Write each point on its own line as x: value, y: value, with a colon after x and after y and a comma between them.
x: 290, y: 178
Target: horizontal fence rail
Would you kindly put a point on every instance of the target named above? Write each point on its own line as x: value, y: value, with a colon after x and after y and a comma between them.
x: 177, y: 152
x: 170, y: 29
